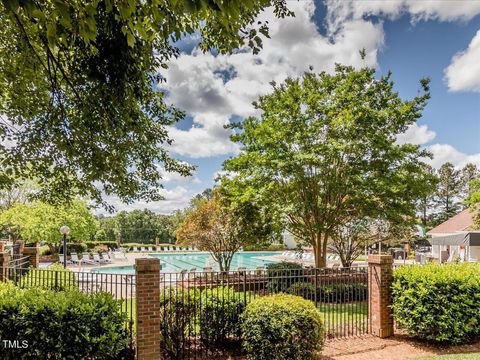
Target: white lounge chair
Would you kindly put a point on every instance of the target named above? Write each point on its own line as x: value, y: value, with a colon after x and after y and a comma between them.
x: 75, y: 259
x: 106, y: 258
x: 97, y: 260
x: 135, y: 249
x: 86, y: 259
x: 60, y: 258
x: 150, y: 249
x: 142, y: 249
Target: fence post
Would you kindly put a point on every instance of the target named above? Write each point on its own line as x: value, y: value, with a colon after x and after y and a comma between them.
x: 21, y: 246
x: 380, y: 277
x: 4, y: 261
x: 147, y: 271
x: 33, y: 253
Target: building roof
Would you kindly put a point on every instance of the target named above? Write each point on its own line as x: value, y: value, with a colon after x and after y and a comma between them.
x: 463, y: 221
x: 471, y: 238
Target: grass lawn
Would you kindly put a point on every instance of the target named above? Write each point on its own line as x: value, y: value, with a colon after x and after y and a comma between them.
x: 338, y: 318
x: 469, y: 356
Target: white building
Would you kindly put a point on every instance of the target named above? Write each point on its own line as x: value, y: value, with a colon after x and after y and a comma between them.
x: 454, y: 238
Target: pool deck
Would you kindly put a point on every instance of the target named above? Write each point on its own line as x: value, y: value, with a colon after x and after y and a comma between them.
x: 132, y: 256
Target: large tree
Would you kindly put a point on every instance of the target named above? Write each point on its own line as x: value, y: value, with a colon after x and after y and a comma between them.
x: 473, y: 201
x: 324, y: 150
x: 41, y: 222
x: 80, y: 106
x: 222, y: 228
x: 449, y: 191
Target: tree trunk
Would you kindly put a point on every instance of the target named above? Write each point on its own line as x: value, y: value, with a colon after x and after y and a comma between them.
x: 320, y: 250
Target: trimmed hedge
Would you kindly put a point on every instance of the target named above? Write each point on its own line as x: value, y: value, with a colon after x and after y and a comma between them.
x: 61, y: 325
x: 283, y: 275
x: 211, y: 314
x: 178, y: 319
x: 282, y: 327
x: 334, y: 293
x: 438, y: 302
x: 220, y: 312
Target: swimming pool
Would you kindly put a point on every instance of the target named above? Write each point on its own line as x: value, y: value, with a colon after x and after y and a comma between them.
x: 176, y: 262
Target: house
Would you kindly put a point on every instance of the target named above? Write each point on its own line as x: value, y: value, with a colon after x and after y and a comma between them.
x: 455, y: 238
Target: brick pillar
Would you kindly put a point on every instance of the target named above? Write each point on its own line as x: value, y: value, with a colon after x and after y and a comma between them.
x: 380, y: 277
x: 33, y: 254
x: 148, y: 308
x: 4, y: 260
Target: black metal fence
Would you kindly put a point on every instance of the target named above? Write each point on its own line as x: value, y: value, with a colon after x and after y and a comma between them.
x: 18, y: 261
x: 122, y: 287
x: 200, y: 311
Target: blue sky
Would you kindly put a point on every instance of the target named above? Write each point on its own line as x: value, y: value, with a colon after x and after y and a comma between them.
x: 412, y: 38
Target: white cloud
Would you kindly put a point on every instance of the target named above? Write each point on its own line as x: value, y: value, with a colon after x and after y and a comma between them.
x: 418, y: 135
x: 463, y: 73
x: 445, y: 152
x: 168, y: 177
x: 197, y: 82
x: 175, y: 198
x: 338, y: 12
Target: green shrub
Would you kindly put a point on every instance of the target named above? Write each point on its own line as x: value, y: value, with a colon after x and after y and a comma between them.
x: 264, y: 247
x: 220, y: 315
x: 342, y: 293
x: 306, y: 290
x: 93, y: 244
x: 61, y: 325
x: 438, y: 302
x: 283, y: 275
x: 276, y: 247
x: 76, y: 248
x: 334, y: 293
x: 178, y: 314
x: 282, y: 327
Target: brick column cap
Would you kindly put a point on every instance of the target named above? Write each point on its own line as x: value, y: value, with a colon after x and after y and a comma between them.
x: 380, y: 259
x: 144, y: 265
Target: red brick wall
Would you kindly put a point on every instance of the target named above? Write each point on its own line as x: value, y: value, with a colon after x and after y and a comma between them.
x: 148, y: 308
x: 4, y: 260
x: 380, y: 277
x: 33, y: 254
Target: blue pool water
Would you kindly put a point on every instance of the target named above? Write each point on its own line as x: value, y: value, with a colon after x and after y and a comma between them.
x: 176, y: 262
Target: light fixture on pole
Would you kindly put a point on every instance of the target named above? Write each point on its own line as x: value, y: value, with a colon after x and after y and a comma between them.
x: 64, y: 230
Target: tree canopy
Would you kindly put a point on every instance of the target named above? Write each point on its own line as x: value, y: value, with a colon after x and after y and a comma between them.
x: 222, y: 228
x: 41, y: 222
x: 324, y: 153
x: 81, y: 111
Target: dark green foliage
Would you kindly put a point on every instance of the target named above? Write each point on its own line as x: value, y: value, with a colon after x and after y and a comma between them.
x: 282, y: 327
x: 283, y: 275
x: 61, y: 325
x: 438, y: 302
x: 220, y: 315
x: 177, y: 314
x: 306, y: 290
x: 77, y: 248
x: 334, y: 293
x: 92, y: 244
x: 80, y: 88
x: 264, y: 247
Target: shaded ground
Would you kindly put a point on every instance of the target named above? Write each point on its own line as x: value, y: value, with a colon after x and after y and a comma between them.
x: 397, y: 347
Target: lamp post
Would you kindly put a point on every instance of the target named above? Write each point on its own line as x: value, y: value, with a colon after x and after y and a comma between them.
x: 64, y: 230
